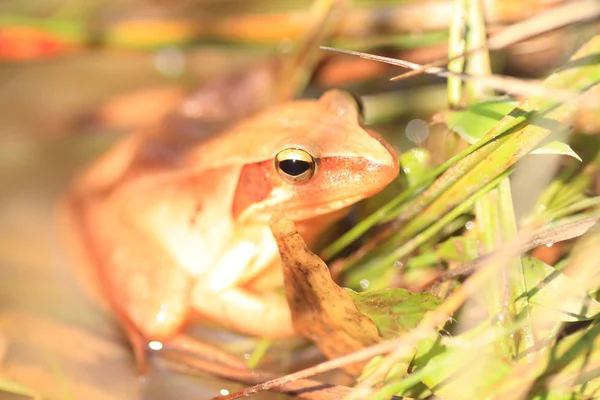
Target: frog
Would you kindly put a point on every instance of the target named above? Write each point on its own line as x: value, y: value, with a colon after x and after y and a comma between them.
x: 172, y: 229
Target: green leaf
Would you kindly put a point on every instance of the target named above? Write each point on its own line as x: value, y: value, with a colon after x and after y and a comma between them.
x: 459, y: 372
x: 545, y: 284
x: 394, y: 310
x: 557, y: 147
x: 573, y: 366
x: 573, y: 369
x: 458, y: 248
x: 415, y: 165
x: 476, y: 120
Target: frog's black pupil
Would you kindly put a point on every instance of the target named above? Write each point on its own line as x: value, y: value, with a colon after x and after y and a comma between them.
x: 294, y: 167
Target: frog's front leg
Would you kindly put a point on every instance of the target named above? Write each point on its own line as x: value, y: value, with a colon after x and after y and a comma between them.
x: 224, y: 297
x: 258, y: 314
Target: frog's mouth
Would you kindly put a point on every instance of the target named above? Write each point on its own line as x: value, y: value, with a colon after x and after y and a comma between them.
x: 313, y: 210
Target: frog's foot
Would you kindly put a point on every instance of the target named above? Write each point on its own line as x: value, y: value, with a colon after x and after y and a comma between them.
x: 139, y: 345
x: 257, y: 314
x: 180, y: 343
x: 198, y: 349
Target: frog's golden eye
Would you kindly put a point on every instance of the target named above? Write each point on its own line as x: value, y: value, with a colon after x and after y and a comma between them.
x: 295, y: 165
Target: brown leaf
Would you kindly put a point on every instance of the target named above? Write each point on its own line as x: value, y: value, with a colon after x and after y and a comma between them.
x: 322, y: 311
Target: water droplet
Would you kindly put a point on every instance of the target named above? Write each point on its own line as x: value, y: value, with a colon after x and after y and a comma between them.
x: 155, y: 345
x: 170, y: 62
x: 417, y: 130
x: 469, y: 225
x: 224, y: 392
x: 364, y: 283
x: 285, y: 45
x: 549, y: 244
x: 398, y: 264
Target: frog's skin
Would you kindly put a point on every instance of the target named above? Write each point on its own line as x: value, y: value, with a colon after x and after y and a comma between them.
x: 174, y: 229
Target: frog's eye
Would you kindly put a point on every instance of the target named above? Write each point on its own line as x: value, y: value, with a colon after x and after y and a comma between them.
x: 295, y: 165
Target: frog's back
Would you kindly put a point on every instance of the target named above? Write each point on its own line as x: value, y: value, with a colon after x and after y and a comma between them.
x: 206, y: 112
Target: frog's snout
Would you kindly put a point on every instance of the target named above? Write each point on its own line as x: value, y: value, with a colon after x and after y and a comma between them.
x: 386, y: 157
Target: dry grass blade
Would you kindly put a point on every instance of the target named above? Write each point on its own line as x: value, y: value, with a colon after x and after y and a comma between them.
x: 557, y: 233
x: 337, y: 363
x: 555, y: 18
x: 207, y: 351
x: 326, y: 15
x: 501, y: 83
x: 302, y: 388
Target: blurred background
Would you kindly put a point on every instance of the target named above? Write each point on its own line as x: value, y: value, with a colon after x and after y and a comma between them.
x: 77, y: 74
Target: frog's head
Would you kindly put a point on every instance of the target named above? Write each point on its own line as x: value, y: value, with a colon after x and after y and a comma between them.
x: 317, y: 159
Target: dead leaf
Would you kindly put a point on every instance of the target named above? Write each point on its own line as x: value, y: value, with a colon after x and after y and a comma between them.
x: 321, y: 310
